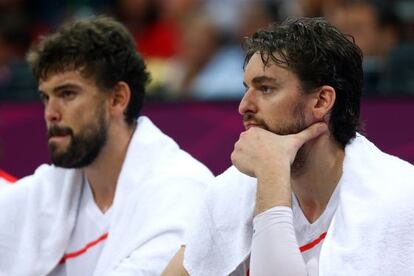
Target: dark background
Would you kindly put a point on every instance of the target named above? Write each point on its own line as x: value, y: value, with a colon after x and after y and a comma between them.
x: 208, y: 130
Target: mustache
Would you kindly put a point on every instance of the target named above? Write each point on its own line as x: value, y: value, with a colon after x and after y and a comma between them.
x: 249, y: 117
x: 58, y: 131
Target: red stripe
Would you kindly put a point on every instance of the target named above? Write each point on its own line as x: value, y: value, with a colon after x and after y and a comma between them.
x: 7, y: 176
x: 312, y: 244
x: 308, y: 246
x: 83, y: 250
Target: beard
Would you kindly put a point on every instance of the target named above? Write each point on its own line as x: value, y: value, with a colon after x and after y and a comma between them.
x: 295, y: 126
x: 84, y: 147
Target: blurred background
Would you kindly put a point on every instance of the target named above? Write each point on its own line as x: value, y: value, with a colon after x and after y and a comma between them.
x: 192, y: 49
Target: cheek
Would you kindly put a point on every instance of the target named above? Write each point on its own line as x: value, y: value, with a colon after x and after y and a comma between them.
x: 272, y: 118
x: 283, y: 115
x: 77, y: 118
x: 274, y: 109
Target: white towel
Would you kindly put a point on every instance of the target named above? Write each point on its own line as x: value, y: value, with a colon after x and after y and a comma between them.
x: 372, y: 232
x: 4, y: 183
x: 158, y: 188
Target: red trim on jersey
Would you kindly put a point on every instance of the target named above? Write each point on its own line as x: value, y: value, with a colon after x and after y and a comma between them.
x: 7, y: 177
x: 83, y: 250
x: 312, y: 244
x: 306, y: 247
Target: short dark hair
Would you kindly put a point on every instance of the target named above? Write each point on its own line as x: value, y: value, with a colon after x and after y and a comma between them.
x: 102, y: 49
x: 319, y: 54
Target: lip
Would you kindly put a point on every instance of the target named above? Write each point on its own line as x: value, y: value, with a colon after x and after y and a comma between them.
x: 58, y: 138
x: 248, y: 125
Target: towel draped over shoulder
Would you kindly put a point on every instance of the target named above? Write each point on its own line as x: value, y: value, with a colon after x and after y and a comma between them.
x: 371, y: 232
x: 158, y: 188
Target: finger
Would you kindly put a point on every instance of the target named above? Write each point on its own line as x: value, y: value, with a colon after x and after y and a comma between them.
x: 311, y: 132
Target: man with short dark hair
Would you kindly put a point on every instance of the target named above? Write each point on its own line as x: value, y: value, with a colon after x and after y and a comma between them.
x: 120, y: 193
x: 307, y: 195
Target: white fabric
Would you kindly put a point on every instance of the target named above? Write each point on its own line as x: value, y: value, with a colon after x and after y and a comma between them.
x: 306, y: 232
x: 157, y: 190
x: 274, y: 245
x: 287, y: 229
x: 371, y: 232
x: 243, y: 269
x: 3, y: 183
x: 91, y: 224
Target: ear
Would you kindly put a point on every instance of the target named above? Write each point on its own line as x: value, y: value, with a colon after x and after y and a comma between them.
x: 323, y: 101
x: 120, y: 98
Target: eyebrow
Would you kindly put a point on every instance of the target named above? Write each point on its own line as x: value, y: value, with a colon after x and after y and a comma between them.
x: 262, y: 79
x: 64, y: 87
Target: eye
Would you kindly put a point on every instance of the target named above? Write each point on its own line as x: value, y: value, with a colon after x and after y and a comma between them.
x: 43, y: 98
x: 265, y: 89
x: 67, y: 94
x: 245, y: 87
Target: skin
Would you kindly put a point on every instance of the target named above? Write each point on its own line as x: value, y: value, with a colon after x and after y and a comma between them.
x: 71, y: 100
x: 279, y: 120
x: 176, y: 267
x: 276, y: 130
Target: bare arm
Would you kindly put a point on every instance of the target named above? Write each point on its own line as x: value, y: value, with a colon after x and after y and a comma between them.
x: 176, y: 267
x: 268, y: 157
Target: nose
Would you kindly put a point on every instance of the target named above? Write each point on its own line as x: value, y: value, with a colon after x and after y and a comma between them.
x: 52, y: 112
x: 248, y: 102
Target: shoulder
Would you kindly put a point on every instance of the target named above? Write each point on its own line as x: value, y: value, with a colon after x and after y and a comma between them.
x: 233, y: 180
x: 228, y: 190
x: 363, y: 157
x: 47, y: 182
x: 375, y: 178
x: 160, y: 156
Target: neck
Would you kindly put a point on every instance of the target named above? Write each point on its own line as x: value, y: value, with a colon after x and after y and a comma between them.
x: 103, y: 173
x: 317, y: 180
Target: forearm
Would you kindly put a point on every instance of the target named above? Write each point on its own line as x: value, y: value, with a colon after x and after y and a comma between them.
x: 275, y: 250
x: 273, y: 188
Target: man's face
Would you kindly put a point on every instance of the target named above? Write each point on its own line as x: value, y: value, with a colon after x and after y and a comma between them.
x: 273, y: 98
x: 76, y: 119
x: 273, y: 101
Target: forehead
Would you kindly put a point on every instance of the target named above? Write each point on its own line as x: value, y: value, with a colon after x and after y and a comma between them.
x: 56, y: 79
x: 256, y: 68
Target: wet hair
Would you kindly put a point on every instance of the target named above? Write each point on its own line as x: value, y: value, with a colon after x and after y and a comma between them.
x: 319, y: 54
x: 102, y: 49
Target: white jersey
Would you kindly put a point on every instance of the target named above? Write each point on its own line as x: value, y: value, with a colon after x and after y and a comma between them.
x: 3, y: 182
x: 87, y: 239
x: 364, y: 227
x: 43, y: 212
x: 310, y: 236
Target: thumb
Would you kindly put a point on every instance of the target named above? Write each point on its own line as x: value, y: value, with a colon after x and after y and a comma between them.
x: 311, y: 132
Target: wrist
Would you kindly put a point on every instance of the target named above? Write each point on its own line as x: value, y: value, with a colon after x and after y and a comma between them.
x: 273, y: 189
x: 270, y: 169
